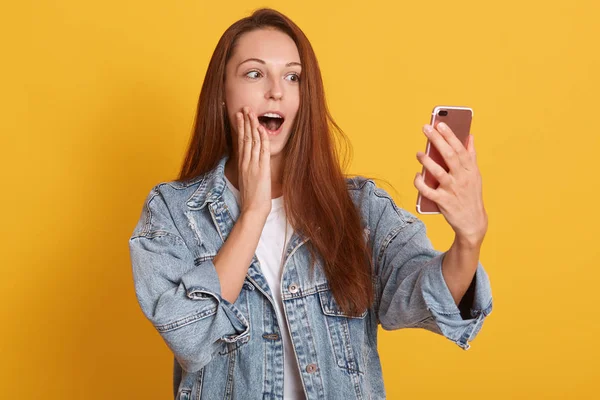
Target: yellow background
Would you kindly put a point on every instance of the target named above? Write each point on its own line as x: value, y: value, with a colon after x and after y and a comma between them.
x: 97, y: 106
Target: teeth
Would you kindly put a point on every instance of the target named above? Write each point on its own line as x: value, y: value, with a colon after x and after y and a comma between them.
x: 272, y: 115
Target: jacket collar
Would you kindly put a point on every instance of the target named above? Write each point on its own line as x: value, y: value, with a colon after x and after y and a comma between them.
x: 211, y: 186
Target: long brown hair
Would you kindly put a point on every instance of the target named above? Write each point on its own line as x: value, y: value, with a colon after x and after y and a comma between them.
x: 316, y: 197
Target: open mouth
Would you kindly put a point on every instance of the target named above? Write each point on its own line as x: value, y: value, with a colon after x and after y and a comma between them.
x: 270, y: 123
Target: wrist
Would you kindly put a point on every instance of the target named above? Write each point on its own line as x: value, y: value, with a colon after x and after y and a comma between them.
x: 252, y: 218
x: 471, y: 243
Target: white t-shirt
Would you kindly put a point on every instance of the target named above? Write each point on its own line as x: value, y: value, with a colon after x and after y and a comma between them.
x: 270, y: 251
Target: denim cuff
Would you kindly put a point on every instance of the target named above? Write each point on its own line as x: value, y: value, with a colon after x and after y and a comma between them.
x: 446, y: 313
x: 202, y: 283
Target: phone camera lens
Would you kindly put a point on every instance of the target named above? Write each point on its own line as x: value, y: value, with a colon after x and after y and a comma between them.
x: 443, y: 113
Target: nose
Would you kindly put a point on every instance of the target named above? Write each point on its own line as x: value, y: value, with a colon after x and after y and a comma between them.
x: 274, y: 90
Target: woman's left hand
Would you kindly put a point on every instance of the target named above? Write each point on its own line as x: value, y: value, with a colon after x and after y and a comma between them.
x: 459, y: 194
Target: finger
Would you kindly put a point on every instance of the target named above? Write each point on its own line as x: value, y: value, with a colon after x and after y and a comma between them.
x: 447, y: 152
x: 425, y: 190
x: 457, y: 146
x: 471, y: 148
x: 265, y: 154
x: 247, y: 140
x: 248, y: 124
x: 239, y: 117
x: 434, y: 169
x: 255, y: 139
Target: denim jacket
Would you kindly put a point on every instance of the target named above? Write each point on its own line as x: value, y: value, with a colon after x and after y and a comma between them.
x: 234, y: 351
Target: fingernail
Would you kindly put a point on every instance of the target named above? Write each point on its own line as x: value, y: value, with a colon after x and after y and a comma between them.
x: 442, y: 126
x: 427, y: 128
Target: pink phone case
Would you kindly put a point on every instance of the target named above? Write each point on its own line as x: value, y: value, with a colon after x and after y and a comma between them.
x: 459, y: 120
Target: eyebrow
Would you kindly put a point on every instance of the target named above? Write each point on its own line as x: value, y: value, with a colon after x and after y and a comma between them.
x: 262, y: 62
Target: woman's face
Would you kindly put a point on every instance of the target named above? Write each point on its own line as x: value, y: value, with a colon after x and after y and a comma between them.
x: 263, y: 73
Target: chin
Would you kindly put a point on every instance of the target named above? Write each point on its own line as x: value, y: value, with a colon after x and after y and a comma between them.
x: 276, y: 152
x: 277, y: 146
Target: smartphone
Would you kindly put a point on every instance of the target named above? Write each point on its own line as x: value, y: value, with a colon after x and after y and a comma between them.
x: 459, y: 120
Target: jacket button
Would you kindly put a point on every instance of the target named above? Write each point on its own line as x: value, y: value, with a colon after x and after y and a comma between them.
x: 310, y: 368
x: 293, y: 288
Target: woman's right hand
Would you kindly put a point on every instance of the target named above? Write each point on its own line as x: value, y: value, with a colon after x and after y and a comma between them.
x: 254, y: 164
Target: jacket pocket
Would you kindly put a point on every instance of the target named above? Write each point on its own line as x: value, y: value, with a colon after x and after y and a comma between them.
x: 339, y: 327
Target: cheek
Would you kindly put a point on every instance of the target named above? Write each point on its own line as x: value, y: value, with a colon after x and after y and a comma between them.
x: 239, y: 96
x: 294, y: 114
x: 295, y: 102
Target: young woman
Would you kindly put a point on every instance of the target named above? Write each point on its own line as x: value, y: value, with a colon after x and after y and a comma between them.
x: 265, y: 269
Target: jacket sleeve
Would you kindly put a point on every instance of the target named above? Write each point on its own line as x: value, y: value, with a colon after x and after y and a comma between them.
x: 180, y: 295
x: 411, y: 290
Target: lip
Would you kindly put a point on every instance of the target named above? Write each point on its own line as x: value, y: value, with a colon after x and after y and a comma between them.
x: 282, y: 115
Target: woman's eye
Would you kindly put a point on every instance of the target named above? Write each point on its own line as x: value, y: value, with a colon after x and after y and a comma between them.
x: 252, y: 72
x: 257, y: 74
x: 296, y: 76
